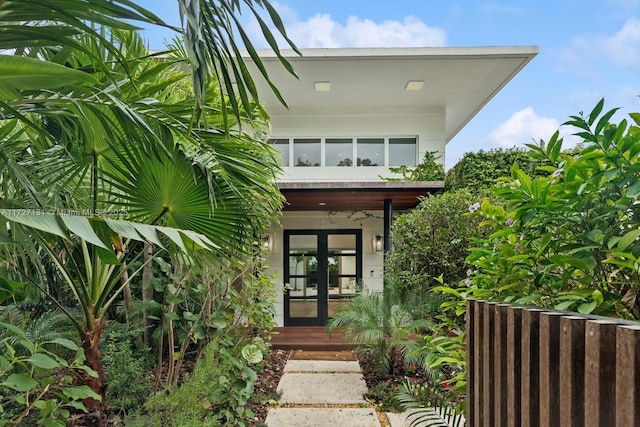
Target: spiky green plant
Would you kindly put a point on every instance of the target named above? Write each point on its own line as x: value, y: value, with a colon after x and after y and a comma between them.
x: 380, y: 323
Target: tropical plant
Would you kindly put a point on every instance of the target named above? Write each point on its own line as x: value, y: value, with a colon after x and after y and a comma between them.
x: 27, y: 386
x: 427, y: 405
x: 218, y: 391
x: 380, y: 323
x: 481, y: 169
x: 568, y: 240
x: 429, y: 242
x: 209, y: 33
x: 94, y: 130
x: 128, y: 369
x: 428, y: 170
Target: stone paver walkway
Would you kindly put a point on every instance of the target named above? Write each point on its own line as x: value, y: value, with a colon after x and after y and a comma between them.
x: 326, y: 393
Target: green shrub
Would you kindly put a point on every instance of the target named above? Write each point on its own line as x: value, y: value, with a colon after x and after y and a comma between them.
x: 381, y: 323
x: 428, y: 170
x: 431, y: 241
x: 568, y: 240
x: 218, y: 391
x: 127, y: 372
x: 37, y: 384
x: 481, y: 169
x: 384, y: 395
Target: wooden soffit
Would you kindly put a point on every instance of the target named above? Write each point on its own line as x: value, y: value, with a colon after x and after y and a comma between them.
x: 347, y: 196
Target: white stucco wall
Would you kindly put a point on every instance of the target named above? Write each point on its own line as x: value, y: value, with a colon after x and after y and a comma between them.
x: 371, y: 224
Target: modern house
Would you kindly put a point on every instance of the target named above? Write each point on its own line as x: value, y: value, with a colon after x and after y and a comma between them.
x: 353, y: 114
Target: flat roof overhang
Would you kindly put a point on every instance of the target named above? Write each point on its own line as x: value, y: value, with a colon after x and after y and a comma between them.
x: 458, y: 81
x: 350, y: 196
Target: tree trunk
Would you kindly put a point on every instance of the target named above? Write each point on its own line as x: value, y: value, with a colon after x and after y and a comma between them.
x: 91, y: 347
x: 147, y: 291
x: 128, y: 303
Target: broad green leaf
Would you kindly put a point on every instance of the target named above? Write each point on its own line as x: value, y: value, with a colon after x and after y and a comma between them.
x: 527, y: 299
x: 175, y: 237
x: 149, y: 232
x: 564, y: 305
x: 8, y: 288
x: 587, y: 307
x: 251, y: 353
x: 82, y: 228
x: 596, y: 112
x: 19, y: 382
x: 628, y: 239
x: 597, y: 296
x: 5, y: 365
x: 80, y: 392
x: 124, y: 229
x: 43, y: 361
x: 24, y: 73
x: 13, y: 328
x: 42, y: 222
x: 546, y: 239
x: 65, y: 343
x: 604, y: 120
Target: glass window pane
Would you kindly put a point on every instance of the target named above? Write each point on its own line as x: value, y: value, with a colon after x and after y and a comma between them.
x: 402, y: 151
x: 370, y: 151
x: 306, y: 152
x: 282, y: 145
x: 338, y: 152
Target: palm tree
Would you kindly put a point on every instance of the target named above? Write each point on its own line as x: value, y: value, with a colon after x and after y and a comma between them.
x: 92, y: 129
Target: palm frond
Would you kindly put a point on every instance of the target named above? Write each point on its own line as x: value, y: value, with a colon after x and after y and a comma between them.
x: 429, y: 406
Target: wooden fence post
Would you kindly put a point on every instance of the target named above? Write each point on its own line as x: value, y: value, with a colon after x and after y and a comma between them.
x: 550, y: 369
x: 514, y: 366
x: 600, y: 373
x: 530, y: 387
x: 628, y: 376
x: 572, y: 329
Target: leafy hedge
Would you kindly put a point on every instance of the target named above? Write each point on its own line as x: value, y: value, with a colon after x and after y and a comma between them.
x: 569, y: 239
x: 430, y: 241
x: 481, y: 169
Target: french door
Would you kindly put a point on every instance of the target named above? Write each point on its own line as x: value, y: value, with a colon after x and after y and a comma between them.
x: 323, y: 269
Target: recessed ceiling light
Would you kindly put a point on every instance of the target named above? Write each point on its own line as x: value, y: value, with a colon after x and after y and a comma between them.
x: 414, y: 85
x: 322, y: 86
x: 322, y: 204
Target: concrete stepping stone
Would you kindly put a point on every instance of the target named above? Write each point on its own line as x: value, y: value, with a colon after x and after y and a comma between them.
x: 322, y: 388
x: 322, y: 417
x: 321, y: 366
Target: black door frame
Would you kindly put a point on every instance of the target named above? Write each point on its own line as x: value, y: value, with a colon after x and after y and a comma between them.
x: 323, y: 281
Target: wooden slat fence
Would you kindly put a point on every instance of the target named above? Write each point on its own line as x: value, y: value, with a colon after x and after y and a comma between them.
x: 530, y: 367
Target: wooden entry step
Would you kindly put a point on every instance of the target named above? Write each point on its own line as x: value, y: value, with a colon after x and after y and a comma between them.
x: 308, y: 338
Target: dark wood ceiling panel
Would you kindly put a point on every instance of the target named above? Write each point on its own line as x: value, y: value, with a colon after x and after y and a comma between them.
x: 346, y: 196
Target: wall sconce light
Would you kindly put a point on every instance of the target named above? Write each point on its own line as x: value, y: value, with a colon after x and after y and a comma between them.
x: 377, y: 243
x: 267, y: 243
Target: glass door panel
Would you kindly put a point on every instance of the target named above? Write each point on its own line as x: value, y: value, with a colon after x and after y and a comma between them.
x: 342, y: 270
x: 322, y: 269
x: 303, y: 277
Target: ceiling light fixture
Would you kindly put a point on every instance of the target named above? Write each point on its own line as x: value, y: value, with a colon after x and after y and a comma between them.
x: 414, y: 85
x: 322, y: 86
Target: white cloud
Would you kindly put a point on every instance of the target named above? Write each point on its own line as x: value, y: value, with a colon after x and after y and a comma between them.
x: 322, y: 31
x: 526, y: 127
x: 621, y: 49
x: 624, y: 47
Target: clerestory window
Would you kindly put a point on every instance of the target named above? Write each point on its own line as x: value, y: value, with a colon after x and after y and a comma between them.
x: 347, y: 152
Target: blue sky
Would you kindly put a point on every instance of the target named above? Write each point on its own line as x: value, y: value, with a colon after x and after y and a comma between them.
x: 589, y: 49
